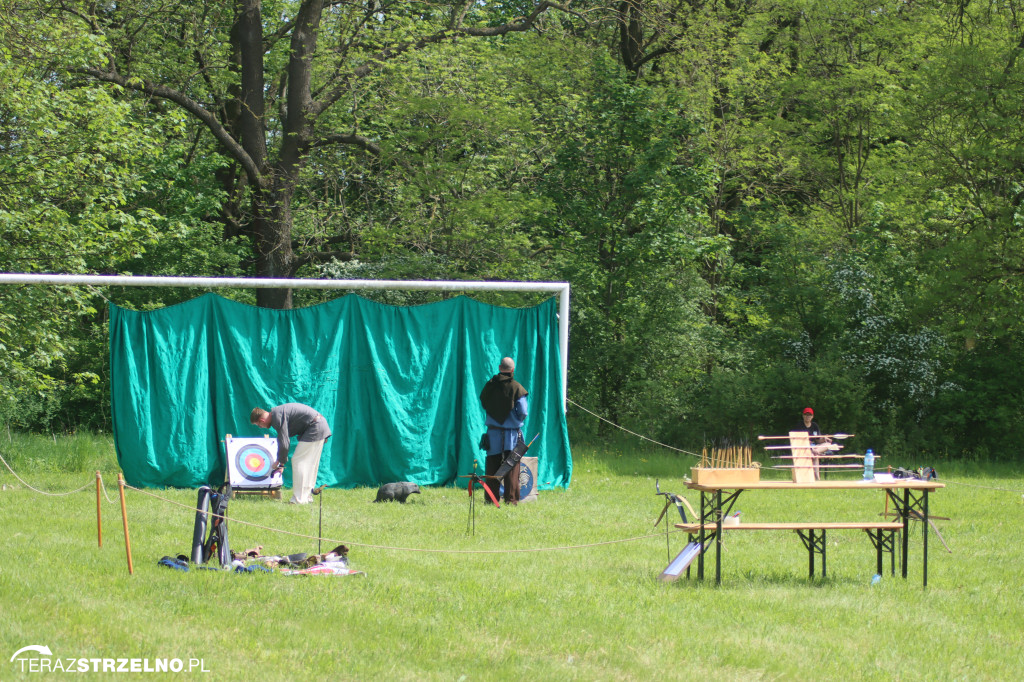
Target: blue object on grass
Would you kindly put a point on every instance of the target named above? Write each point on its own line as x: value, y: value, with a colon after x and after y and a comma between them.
x: 176, y: 564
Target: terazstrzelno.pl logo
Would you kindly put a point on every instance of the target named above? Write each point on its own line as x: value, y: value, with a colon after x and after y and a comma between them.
x: 39, y: 659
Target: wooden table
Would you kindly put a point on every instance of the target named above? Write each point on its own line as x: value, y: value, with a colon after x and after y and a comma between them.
x: 714, y: 507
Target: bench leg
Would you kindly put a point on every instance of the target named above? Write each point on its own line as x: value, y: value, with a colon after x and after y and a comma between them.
x: 823, y: 554
x: 884, y: 541
x: 878, y: 548
x: 810, y: 556
x: 892, y: 554
x: 815, y: 544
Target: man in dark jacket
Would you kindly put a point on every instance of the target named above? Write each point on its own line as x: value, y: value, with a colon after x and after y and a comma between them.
x: 504, y: 400
x: 310, y: 427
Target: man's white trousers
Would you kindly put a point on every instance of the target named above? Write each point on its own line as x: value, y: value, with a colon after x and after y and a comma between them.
x: 305, y: 465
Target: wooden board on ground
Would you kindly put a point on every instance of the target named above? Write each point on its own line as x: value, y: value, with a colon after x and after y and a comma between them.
x: 274, y: 494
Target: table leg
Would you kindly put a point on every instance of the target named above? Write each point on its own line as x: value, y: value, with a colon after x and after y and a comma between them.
x: 701, y: 535
x: 924, y: 525
x: 718, y: 538
x: 905, y: 517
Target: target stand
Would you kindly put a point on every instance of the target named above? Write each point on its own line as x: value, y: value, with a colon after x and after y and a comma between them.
x: 250, y: 466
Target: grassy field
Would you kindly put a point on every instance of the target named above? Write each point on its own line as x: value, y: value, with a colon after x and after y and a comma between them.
x: 438, y: 603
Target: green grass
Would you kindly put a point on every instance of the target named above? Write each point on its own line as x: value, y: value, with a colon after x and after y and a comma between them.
x: 578, y: 613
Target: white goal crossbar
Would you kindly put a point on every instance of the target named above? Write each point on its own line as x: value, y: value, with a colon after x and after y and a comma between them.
x: 561, y: 288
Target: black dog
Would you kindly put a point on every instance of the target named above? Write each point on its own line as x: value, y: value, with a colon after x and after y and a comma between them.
x: 396, y: 491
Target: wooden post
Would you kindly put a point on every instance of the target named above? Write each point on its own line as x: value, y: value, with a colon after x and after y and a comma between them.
x: 124, y: 517
x: 99, y: 512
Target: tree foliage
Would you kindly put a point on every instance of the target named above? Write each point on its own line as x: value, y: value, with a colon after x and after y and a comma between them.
x: 759, y: 205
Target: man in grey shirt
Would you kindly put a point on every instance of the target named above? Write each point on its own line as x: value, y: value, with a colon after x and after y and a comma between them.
x: 310, y: 427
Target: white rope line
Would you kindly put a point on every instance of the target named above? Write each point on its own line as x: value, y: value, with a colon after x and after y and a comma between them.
x: 41, y: 492
x: 984, y: 487
x: 685, y: 452
x: 103, y: 486
x: 403, y: 549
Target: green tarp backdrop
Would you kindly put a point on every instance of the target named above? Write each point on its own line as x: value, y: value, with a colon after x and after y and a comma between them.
x: 398, y: 385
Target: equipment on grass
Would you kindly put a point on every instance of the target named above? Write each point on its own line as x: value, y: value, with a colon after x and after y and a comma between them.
x: 216, y: 543
x: 476, y: 478
x: 671, y: 498
x: 679, y: 501
x: 527, y: 479
x: 682, y: 561
x: 320, y: 528
x: 397, y: 491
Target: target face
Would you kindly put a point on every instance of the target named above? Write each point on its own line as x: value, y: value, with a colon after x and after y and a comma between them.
x: 251, y: 462
x: 254, y: 462
x: 525, y: 481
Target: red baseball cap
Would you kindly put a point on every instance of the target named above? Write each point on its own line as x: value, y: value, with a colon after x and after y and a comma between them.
x: 809, y: 411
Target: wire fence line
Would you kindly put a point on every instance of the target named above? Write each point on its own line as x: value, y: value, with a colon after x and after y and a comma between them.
x: 333, y: 540
x: 642, y: 437
x: 402, y: 549
x: 658, y: 534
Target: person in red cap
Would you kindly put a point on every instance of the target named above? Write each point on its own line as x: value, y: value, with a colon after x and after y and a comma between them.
x: 811, y: 427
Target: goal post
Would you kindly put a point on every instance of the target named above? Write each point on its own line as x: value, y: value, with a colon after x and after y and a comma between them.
x: 560, y: 288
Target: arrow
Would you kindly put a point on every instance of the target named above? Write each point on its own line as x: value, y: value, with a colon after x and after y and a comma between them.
x: 820, y: 466
x: 822, y: 456
x: 837, y: 436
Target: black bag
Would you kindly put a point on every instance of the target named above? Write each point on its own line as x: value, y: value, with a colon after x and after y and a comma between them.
x: 216, y: 544
x: 512, y: 459
x: 922, y: 474
x: 485, y: 441
x: 521, y: 445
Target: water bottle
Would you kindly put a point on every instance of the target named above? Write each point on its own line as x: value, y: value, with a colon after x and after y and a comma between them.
x: 869, y: 465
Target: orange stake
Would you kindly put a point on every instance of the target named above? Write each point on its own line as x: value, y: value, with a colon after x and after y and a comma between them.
x: 124, y: 517
x: 99, y: 512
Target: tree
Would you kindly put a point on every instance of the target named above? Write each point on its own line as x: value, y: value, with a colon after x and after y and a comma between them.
x: 70, y: 162
x: 627, y: 190
x: 270, y: 82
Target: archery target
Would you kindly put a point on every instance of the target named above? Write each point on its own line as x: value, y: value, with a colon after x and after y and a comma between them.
x: 527, y: 479
x: 251, y: 462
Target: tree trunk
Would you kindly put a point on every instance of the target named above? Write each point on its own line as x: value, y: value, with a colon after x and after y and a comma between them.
x: 272, y: 229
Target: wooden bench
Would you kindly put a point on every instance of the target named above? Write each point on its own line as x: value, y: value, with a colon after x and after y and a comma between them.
x: 882, y: 534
